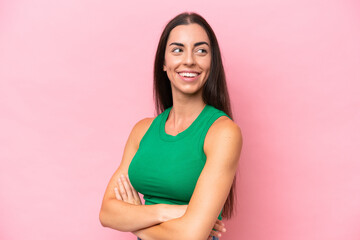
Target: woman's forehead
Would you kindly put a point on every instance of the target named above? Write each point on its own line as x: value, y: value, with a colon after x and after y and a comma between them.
x: 190, y: 33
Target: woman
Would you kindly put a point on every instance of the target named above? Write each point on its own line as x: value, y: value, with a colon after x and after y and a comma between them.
x: 184, y: 160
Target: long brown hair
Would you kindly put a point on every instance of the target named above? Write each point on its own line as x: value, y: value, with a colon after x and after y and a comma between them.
x: 214, y: 92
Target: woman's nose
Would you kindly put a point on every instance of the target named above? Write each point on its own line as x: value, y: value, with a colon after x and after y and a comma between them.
x: 189, y: 58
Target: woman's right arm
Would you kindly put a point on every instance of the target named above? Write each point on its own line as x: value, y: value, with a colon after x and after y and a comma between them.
x: 127, y: 217
x: 120, y: 215
x: 126, y: 192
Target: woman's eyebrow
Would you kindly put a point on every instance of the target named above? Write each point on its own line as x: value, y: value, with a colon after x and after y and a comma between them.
x: 200, y: 43
x: 177, y: 44
x: 182, y: 45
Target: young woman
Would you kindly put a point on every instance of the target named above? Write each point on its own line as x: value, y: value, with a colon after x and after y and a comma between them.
x: 184, y: 160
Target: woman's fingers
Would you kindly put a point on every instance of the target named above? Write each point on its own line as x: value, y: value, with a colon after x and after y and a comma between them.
x: 220, y: 222
x: 219, y: 227
x: 134, y: 192
x: 127, y: 189
x: 123, y: 193
x: 215, y: 233
x: 126, y: 192
x: 117, y: 194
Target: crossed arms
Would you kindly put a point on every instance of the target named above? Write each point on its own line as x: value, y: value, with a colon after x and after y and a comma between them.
x: 222, y: 147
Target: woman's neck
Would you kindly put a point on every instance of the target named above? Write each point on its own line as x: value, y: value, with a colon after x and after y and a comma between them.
x: 182, y: 115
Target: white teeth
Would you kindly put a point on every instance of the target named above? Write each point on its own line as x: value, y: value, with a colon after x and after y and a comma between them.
x: 185, y: 74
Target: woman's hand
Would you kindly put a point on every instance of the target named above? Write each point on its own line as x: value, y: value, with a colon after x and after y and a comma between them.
x: 219, y: 227
x: 126, y: 192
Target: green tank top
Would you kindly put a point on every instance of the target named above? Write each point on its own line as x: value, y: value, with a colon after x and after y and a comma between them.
x: 165, y: 168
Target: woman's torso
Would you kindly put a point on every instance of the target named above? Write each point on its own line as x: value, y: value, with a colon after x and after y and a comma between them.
x: 165, y: 168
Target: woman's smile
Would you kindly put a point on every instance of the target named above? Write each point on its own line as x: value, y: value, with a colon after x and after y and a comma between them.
x: 189, y: 76
x: 187, y: 59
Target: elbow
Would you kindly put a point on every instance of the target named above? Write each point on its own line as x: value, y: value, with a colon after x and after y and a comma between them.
x: 109, y: 219
x: 106, y: 216
x: 103, y: 218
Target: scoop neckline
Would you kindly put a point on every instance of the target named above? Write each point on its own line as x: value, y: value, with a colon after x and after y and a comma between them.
x: 168, y: 137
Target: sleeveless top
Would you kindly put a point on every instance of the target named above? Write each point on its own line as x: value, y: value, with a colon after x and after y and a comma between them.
x: 165, y: 168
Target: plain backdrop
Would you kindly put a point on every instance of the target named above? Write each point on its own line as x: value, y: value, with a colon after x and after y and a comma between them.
x: 75, y: 77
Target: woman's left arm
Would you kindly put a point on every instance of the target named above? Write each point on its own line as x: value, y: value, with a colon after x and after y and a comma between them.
x: 222, y: 147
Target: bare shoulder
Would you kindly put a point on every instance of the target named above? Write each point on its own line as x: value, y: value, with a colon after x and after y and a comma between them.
x: 132, y: 144
x: 223, y: 129
x: 224, y: 126
x: 140, y: 128
x: 143, y: 124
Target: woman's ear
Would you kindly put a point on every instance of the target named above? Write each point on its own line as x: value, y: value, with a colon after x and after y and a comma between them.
x: 164, y: 68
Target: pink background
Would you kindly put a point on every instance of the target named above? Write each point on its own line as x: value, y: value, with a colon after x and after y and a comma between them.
x: 75, y: 76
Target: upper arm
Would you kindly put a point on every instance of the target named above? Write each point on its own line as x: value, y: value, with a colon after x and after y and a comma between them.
x: 131, y: 147
x: 222, y: 147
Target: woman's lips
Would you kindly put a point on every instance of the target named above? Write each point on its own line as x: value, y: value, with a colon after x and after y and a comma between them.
x: 190, y: 77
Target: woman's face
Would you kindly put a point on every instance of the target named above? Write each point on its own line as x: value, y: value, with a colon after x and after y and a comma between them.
x: 187, y: 58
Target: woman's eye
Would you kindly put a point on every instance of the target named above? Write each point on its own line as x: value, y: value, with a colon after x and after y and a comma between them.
x: 176, y: 50
x: 202, y: 51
